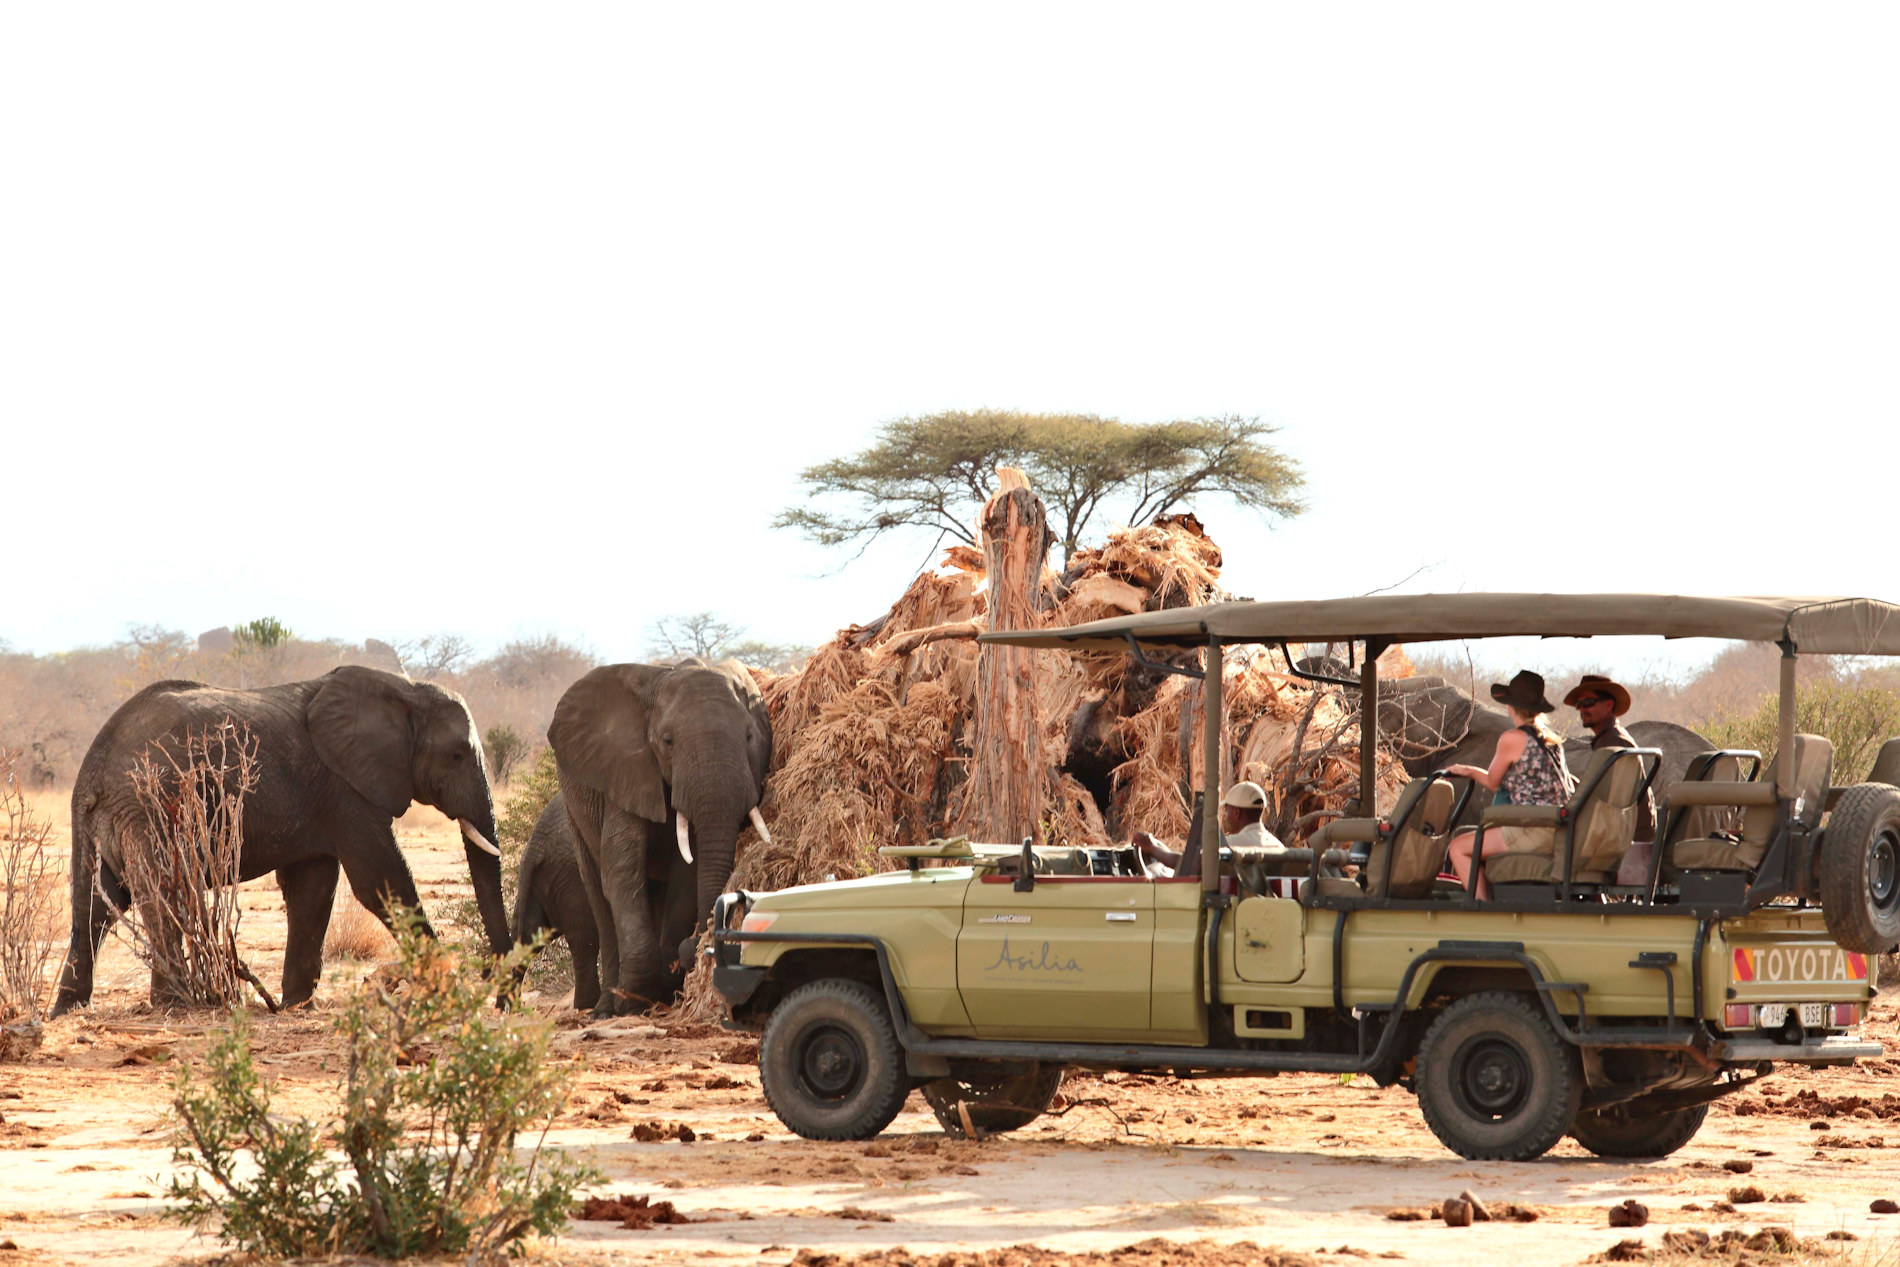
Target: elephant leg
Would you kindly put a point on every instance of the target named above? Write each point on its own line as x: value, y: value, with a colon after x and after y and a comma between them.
x: 678, y: 936
x: 168, y: 952
x: 584, y: 946
x: 605, y: 959
x: 309, y: 890
x: 92, y: 916
x: 379, y: 874
x: 640, y: 982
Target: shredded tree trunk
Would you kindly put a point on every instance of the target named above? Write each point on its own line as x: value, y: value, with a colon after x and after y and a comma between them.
x: 1003, y: 799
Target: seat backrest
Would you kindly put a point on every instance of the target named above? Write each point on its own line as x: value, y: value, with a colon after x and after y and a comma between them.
x: 1418, y: 847
x: 1813, y: 767
x: 1701, y: 821
x: 1886, y: 764
x: 1605, y: 814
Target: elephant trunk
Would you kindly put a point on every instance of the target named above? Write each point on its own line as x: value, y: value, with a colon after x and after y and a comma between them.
x: 484, y: 870
x: 716, y: 806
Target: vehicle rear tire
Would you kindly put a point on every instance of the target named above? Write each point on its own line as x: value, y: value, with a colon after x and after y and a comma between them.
x: 1495, y: 1081
x: 1860, y: 869
x: 830, y: 1062
x: 1005, y: 1105
x: 1627, y: 1130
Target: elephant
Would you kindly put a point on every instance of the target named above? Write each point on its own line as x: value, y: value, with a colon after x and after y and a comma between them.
x: 650, y: 757
x: 1436, y: 724
x: 549, y: 895
x: 338, y: 759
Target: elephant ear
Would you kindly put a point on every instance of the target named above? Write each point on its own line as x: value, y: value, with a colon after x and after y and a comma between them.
x: 748, y: 691
x: 362, y: 722
x: 599, y: 735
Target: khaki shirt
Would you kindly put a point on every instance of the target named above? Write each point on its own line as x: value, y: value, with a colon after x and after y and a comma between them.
x: 1617, y: 737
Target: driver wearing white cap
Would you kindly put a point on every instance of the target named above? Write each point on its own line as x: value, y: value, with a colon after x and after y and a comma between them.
x: 1240, y: 824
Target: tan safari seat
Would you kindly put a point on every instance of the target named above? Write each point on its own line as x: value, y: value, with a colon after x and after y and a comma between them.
x: 1886, y: 764
x: 1599, y: 822
x: 1415, y: 839
x: 1404, y: 851
x: 1813, y: 763
x: 1678, y: 822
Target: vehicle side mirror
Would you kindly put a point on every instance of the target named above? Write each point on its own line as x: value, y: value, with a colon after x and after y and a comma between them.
x: 1026, y: 871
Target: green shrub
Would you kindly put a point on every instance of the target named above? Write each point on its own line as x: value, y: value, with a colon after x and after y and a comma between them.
x: 261, y: 634
x: 438, y: 1088
x: 506, y: 748
x: 1855, y: 719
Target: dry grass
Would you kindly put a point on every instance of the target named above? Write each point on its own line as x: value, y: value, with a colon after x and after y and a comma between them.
x: 355, y: 935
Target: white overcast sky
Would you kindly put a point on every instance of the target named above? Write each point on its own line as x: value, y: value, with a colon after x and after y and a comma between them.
x: 395, y: 318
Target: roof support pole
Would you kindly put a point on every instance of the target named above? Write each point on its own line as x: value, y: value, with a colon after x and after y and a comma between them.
x: 1369, y: 727
x: 1784, y: 741
x: 1214, y: 706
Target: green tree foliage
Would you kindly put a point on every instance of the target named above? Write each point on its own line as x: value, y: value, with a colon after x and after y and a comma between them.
x: 933, y: 472
x: 438, y: 1089
x: 261, y: 634
x: 1856, y: 719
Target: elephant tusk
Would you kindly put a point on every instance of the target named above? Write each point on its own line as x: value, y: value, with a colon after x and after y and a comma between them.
x: 475, y: 837
x: 759, y: 822
x: 685, y: 832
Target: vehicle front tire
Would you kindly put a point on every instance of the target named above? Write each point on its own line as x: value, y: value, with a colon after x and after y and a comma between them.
x: 1860, y: 869
x: 1628, y: 1130
x: 830, y: 1062
x: 1005, y: 1105
x: 1495, y: 1081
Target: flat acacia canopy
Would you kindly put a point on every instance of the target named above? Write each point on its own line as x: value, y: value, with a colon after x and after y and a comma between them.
x: 1824, y: 626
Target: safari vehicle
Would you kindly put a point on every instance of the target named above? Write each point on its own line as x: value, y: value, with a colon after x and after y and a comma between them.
x: 1565, y: 1004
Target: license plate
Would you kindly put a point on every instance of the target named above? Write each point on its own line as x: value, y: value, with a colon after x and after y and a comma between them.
x: 1809, y: 965
x: 1775, y: 1015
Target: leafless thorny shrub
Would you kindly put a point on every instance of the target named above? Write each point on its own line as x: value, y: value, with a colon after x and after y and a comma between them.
x: 182, y: 869
x: 29, y: 918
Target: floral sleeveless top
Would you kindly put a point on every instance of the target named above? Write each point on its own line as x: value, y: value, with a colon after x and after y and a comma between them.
x: 1540, y: 776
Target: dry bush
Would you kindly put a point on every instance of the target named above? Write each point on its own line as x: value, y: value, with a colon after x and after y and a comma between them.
x: 29, y: 918
x: 182, y: 869
x: 355, y: 933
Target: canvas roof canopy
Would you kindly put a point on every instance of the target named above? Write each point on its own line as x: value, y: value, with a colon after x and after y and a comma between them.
x: 1824, y: 626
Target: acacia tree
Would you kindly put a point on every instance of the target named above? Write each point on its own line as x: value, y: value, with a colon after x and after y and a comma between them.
x: 933, y: 472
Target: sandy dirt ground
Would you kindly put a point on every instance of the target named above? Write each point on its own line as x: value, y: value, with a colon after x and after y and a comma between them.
x: 1306, y: 1164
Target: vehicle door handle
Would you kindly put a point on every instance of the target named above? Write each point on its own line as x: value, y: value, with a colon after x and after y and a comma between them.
x: 1120, y: 917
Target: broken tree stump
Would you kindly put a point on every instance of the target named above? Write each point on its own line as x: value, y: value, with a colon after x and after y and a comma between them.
x: 1003, y: 799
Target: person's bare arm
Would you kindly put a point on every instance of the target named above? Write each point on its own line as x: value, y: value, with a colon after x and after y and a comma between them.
x: 1510, y: 748
x: 1153, y: 848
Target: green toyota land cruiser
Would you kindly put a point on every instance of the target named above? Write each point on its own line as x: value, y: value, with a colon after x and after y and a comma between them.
x: 1567, y: 1003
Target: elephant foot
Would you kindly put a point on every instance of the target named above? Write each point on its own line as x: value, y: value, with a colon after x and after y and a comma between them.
x: 626, y: 1002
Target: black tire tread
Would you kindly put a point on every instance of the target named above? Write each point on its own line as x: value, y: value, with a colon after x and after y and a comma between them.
x: 1014, y: 1104
x: 1558, y: 1114
x: 890, y: 1084
x: 1843, y: 866
x: 1653, y: 1135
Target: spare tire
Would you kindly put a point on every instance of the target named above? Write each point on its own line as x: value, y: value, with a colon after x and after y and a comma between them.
x: 1860, y: 869
x: 1002, y: 1105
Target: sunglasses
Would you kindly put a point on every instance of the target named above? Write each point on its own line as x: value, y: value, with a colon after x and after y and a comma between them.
x: 1591, y: 701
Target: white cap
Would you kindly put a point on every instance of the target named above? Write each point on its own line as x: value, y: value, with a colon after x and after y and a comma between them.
x: 1247, y: 795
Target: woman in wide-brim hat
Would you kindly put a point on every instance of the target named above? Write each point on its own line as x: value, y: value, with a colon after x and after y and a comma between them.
x: 1528, y: 768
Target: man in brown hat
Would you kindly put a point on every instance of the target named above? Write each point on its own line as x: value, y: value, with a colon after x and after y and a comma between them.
x: 1599, y: 702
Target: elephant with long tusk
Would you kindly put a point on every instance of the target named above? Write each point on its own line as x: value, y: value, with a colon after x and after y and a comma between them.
x: 661, y: 767
x: 338, y: 758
